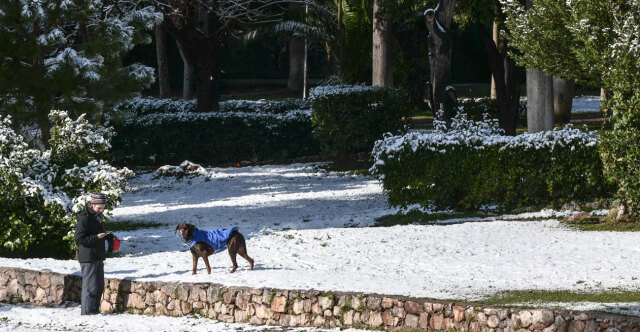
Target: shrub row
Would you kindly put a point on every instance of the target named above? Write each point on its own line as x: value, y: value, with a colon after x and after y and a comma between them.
x: 472, y: 165
x: 342, y: 119
x: 152, y: 131
x: 350, y: 118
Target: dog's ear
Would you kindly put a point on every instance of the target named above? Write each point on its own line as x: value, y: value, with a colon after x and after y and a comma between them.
x: 177, y: 228
x: 191, y: 227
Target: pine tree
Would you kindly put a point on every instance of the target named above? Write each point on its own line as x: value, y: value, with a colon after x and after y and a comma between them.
x: 69, y: 55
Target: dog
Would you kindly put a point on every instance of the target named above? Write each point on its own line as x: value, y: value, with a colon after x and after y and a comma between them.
x: 206, y: 243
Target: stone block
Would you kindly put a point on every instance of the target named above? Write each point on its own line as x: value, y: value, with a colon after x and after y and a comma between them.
x: 279, y: 304
x: 387, y: 318
x: 493, y: 321
x: 347, y: 317
x: 437, y: 321
x: 374, y: 303
x: 398, y: 312
x: 542, y: 319
x: 412, y: 307
x: 411, y: 320
x: 256, y: 321
x: 576, y: 326
x: 325, y: 302
x: 387, y: 303
x: 423, y: 321
x: 375, y: 319
x: 458, y: 313
x: 525, y: 317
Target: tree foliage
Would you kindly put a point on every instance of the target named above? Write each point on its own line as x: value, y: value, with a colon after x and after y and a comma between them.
x: 68, y: 55
x: 597, y: 42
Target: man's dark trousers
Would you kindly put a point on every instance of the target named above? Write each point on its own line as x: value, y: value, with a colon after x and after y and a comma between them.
x: 92, y: 287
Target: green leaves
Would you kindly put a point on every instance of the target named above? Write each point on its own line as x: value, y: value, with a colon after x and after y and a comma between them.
x: 349, y: 119
x: 41, y: 192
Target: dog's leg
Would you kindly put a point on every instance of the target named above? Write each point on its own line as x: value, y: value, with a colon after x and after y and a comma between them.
x: 206, y: 262
x: 195, y: 262
x: 232, y: 247
x: 233, y: 260
x: 242, y: 251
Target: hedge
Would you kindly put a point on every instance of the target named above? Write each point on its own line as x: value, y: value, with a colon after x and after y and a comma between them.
x: 473, y: 165
x: 157, y: 131
x: 350, y: 118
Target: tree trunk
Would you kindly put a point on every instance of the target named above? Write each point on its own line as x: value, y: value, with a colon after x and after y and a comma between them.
x: 418, y: 75
x: 163, y: 65
x: 296, y: 64
x: 539, y: 98
x: 188, y: 74
x: 604, y: 98
x: 42, y: 118
x: 507, y: 77
x: 496, y: 41
x: 207, y: 79
x: 382, y: 57
x: 200, y: 43
x: 539, y: 101
x: 438, y: 23
x: 296, y: 54
x: 563, y: 92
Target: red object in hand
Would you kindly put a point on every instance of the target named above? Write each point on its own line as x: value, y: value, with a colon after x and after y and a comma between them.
x: 116, y: 243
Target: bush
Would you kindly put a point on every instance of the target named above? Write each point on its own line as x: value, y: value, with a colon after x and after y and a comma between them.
x: 350, y: 118
x: 477, y: 108
x: 620, y: 150
x: 473, y: 165
x: 155, y: 131
x: 41, y: 192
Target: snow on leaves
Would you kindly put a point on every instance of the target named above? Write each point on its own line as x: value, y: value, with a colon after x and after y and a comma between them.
x: 477, y: 135
x: 50, y: 185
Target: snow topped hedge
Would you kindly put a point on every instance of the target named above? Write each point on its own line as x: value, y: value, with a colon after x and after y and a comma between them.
x: 329, y: 91
x: 152, y: 131
x: 41, y: 191
x: 474, y: 164
x: 350, y: 118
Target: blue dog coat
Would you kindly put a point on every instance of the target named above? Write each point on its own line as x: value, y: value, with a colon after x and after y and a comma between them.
x: 216, y: 238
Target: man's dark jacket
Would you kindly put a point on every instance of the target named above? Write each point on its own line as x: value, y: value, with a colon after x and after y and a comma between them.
x: 90, y: 248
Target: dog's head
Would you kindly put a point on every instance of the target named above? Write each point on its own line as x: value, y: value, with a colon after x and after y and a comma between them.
x: 186, y: 231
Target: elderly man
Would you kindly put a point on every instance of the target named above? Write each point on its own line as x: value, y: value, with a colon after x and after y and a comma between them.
x: 90, y: 238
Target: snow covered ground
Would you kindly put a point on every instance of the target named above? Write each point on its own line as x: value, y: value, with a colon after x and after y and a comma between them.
x: 23, y: 318
x: 586, y: 104
x: 300, y: 221
x: 309, y: 228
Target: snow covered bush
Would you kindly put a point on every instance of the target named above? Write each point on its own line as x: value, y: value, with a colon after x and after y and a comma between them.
x: 477, y: 108
x: 41, y: 192
x: 152, y: 131
x: 473, y: 164
x: 350, y: 118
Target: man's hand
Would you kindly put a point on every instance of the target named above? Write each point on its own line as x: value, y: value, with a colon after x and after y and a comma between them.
x: 101, y: 235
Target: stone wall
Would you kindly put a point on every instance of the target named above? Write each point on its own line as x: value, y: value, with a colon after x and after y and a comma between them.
x: 297, y: 308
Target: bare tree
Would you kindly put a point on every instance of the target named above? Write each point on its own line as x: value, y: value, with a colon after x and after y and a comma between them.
x: 439, y: 23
